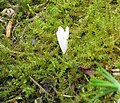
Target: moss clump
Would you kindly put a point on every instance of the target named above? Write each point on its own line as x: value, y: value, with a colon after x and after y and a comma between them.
x: 94, y: 36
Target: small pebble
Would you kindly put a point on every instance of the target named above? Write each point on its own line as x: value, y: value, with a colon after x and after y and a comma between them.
x: 33, y: 41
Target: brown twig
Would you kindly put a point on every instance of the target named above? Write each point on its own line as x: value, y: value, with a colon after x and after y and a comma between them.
x: 8, y: 28
x: 41, y: 88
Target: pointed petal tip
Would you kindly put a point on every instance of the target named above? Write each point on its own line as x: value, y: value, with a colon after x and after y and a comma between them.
x: 62, y: 37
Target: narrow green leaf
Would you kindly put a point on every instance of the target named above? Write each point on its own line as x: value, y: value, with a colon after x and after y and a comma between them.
x: 108, y: 76
x: 102, y: 83
x: 105, y: 92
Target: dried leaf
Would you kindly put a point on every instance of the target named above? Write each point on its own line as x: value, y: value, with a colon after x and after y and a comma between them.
x: 116, y: 72
x: 8, y: 11
x: 14, y: 101
x: 87, y: 70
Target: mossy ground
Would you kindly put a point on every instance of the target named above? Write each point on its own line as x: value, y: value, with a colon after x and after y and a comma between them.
x: 94, y: 37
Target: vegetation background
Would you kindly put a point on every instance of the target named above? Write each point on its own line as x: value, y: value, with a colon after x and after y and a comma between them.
x: 32, y: 66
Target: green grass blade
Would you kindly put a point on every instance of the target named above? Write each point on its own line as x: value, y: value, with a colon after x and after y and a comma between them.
x: 108, y: 76
x: 102, y: 83
x: 105, y: 92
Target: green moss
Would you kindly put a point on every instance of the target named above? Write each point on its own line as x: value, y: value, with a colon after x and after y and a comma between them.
x: 94, y: 36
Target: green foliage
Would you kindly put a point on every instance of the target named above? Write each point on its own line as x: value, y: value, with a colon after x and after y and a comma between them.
x: 94, y: 36
x: 104, y: 87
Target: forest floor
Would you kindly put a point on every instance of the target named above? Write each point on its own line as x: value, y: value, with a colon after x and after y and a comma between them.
x: 33, y: 68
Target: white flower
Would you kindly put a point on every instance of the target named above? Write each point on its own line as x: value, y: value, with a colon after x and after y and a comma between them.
x: 62, y: 37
